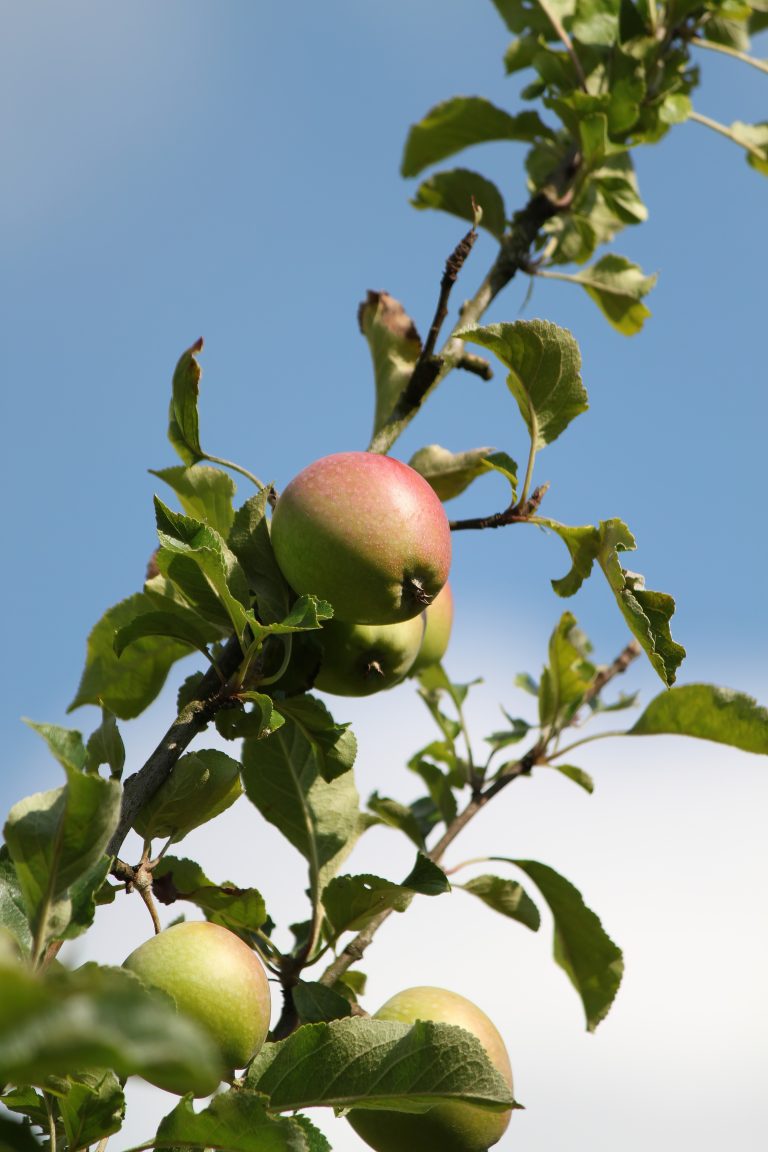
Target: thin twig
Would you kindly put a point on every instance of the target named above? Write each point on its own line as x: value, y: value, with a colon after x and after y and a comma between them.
x: 515, y: 514
x: 428, y: 365
x: 745, y: 58
x: 513, y: 255
x: 565, y: 39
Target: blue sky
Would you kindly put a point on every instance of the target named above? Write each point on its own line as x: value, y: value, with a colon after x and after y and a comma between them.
x: 231, y: 171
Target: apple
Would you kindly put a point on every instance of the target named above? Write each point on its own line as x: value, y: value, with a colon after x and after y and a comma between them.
x: 366, y: 533
x: 449, y: 1127
x: 437, y: 632
x: 360, y: 659
x: 214, y: 977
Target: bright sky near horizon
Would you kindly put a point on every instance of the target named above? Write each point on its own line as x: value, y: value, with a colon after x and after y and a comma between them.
x: 191, y: 169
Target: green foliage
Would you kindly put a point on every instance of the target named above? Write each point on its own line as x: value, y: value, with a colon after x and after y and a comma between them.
x: 241, y: 910
x: 377, y: 1064
x: 455, y: 192
x: 448, y: 473
x: 238, y: 1121
x: 709, y: 713
x: 321, y: 818
x: 505, y: 896
x: 583, y: 949
x: 57, y: 841
x: 183, y: 431
x: 315, y: 1003
x: 617, y: 286
x: 350, y: 902
x: 609, y: 76
x: 201, y: 785
x: 205, y: 494
x: 457, y: 124
x: 395, y: 347
x: 646, y: 612
x: 544, y: 373
x: 99, y: 1018
x: 127, y: 684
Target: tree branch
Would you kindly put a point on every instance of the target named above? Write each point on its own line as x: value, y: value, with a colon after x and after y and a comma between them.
x: 193, y: 719
x: 523, y: 767
x: 515, y: 514
x: 513, y: 256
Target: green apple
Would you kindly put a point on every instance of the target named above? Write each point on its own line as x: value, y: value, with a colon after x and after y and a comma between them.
x: 437, y: 633
x: 366, y: 533
x: 360, y: 659
x: 214, y: 977
x: 449, y: 1127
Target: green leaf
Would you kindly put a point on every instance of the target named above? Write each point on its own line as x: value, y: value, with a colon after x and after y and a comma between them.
x: 454, y: 192
x: 16, y: 1137
x: 242, y: 910
x: 397, y: 815
x: 460, y: 122
x: 183, y: 430
x: 646, y: 612
x: 257, y: 723
x: 519, y: 17
x: 99, y: 1018
x: 92, y: 1107
x: 201, y: 786
x: 334, y: 745
x: 578, y: 775
x: 56, y: 839
x: 238, y: 1122
x: 192, y: 541
x: 306, y: 615
x: 507, y: 467
x: 544, y: 376
x: 105, y: 746
x: 316, y: 1003
x: 181, y: 624
x: 449, y: 473
x: 65, y: 744
x: 427, y: 878
x: 205, y: 493
x: 377, y: 1064
x: 128, y: 684
x: 517, y: 731
x: 709, y: 713
x: 320, y: 818
x: 754, y: 139
x: 617, y: 286
x: 520, y: 53
x: 676, y: 108
x: 13, y: 915
x: 84, y: 895
x: 351, y: 902
x: 439, y: 783
x: 587, y: 954
x: 596, y: 22
x: 507, y: 897
x: 250, y: 542
x: 569, y: 674
x: 394, y: 345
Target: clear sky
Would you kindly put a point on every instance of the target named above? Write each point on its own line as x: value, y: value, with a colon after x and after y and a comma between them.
x: 184, y: 169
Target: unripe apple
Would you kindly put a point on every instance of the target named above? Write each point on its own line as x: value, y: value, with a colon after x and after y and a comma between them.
x: 437, y: 633
x: 366, y: 533
x: 449, y: 1127
x: 360, y: 659
x: 214, y: 977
